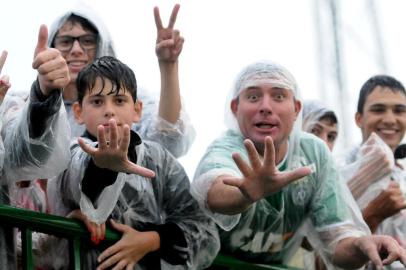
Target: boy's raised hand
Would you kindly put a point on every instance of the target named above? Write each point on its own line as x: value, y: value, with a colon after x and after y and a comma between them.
x: 112, y: 154
x: 4, y: 80
x: 53, y: 72
x: 262, y: 178
x: 131, y: 248
x: 169, y: 43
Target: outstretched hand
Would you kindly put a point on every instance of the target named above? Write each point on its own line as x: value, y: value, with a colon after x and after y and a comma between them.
x: 112, y: 154
x: 169, y: 43
x: 262, y: 178
x: 53, y: 72
x: 4, y: 80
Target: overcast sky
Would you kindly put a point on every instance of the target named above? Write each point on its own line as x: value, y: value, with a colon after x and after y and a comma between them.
x: 220, y: 38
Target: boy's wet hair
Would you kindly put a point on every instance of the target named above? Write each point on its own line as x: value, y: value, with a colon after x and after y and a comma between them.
x: 109, y: 68
x: 378, y: 80
x: 86, y: 25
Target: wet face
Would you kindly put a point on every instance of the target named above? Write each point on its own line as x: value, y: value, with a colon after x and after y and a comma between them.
x: 384, y: 113
x: 264, y: 110
x: 327, y: 131
x: 98, y: 107
x: 77, y: 57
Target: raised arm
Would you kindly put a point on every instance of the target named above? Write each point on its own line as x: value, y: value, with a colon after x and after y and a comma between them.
x: 34, y: 132
x: 168, y: 48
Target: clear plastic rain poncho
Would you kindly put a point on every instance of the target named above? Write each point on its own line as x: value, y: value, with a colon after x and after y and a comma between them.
x: 368, y: 170
x: 137, y: 201
x: 44, y: 155
x: 177, y: 137
x: 313, y: 112
x: 268, y: 231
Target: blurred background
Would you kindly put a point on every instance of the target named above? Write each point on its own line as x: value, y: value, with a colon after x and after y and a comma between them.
x: 331, y: 47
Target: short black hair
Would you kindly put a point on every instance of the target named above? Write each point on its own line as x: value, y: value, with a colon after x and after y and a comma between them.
x: 110, y: 68
x: 378, y: 80
x: 86, y: 25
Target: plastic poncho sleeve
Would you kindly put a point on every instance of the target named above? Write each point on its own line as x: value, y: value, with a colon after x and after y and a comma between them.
x: 175, y: 137
x: 36, y: 136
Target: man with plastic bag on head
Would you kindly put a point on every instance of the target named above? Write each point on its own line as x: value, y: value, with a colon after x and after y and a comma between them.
x: 376, y: 180
x: 34, y: 135
x: 290, y: 177
x: 81, y: 36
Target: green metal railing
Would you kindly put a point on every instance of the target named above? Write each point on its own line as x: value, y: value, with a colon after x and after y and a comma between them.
x: 73, y: 230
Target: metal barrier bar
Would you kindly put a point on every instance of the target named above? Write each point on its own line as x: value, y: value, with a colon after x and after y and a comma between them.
x: 75, y: 231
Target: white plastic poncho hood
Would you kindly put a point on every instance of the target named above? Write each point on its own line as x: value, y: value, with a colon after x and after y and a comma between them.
x: 313, y: 111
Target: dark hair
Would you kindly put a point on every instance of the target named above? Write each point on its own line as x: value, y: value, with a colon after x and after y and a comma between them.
x: 86, y: 25
x: 330, y: 117
x: 106, y: 68
x: 378, y: 80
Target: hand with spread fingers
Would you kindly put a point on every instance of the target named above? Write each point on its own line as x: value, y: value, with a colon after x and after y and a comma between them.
x: 131, y: 248
x: 112, y: 154
x: 262, y: 178
x: 53, y: 72
x: 169, y: 43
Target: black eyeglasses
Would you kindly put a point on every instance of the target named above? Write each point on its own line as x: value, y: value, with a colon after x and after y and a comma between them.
x: 65, y: 43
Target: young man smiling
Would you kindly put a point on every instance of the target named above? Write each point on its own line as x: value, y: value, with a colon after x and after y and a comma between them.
x: 381, y: 116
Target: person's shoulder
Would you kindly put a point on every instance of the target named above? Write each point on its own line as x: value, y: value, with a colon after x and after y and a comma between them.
x: 309, y: 141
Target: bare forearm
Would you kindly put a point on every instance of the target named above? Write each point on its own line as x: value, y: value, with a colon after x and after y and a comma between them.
x: 347, y: 254
x: 169, y: 102
x: 226, y: 199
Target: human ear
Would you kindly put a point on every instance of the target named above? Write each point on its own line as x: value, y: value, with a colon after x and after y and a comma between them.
x: 77, y: 112
x: 137, y: 111
x: 234, y: 106
x: 358, y: 119
x: 298, y: 106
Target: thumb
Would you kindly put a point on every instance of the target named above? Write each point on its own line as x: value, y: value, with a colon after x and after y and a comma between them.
x: 296, y: 174
x: 118, y: 226
x: 42, y: 40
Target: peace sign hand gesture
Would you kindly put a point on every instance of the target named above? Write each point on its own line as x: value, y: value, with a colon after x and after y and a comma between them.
x: 262, y: 178
x: 169, y: 43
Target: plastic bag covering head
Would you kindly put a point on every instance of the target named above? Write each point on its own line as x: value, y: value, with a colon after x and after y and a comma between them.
x: 278, y: 76
x: 105, y: 46
x: 313, y: 111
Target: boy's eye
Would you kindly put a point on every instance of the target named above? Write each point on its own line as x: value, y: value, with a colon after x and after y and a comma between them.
x: 96, y: 101
x: 120, y: 100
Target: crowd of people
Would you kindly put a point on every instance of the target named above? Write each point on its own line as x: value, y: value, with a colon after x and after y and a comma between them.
x: 88, y: 144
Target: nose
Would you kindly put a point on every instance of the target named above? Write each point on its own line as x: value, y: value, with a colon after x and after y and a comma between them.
x: 265, y: 105
x: 109, y: 111
x: 76, y: 47
x: 389, y: 117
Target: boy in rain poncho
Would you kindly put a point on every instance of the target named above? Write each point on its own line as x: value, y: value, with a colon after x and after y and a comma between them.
x: 162, y: 224
x: 290, y: 177
x: 34, y: 134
